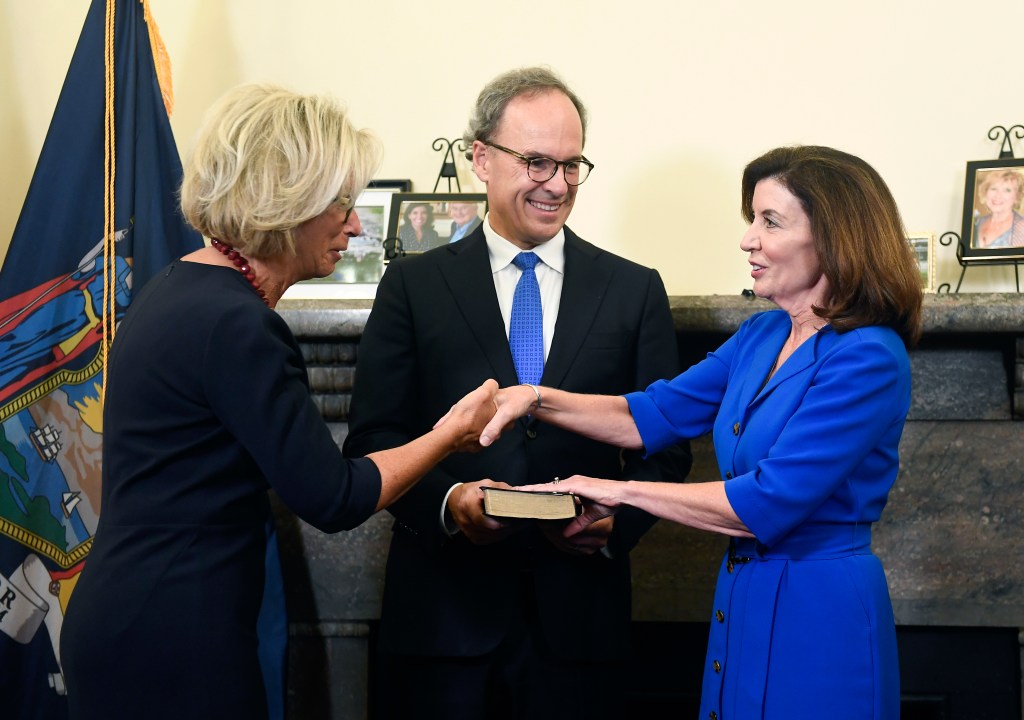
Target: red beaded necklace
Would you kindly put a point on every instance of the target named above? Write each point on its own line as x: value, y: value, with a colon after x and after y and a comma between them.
x: 242, y: 264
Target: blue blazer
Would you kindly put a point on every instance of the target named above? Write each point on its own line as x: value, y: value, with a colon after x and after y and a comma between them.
x: 802, y: 623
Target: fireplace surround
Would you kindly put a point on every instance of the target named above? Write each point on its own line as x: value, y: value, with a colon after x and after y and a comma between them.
x: 951, y: 537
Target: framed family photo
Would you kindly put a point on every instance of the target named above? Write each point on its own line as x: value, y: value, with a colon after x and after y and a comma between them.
x: 423, y: 221
x: 993, y: 219
x: 923, y: 245
x: 361, y: 266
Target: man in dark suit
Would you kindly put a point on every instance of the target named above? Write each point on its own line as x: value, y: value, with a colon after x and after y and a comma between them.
x: 482, y: 618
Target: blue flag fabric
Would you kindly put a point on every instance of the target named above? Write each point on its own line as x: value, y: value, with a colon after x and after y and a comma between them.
x: 51, y: 338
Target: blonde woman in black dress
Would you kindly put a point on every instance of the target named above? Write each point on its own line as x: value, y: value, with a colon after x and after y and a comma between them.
x: 207, y: 406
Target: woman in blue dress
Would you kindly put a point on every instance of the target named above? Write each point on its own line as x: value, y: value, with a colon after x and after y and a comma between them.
x: 806, y: 404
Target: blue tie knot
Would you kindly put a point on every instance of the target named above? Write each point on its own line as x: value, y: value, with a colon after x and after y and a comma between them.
x: 526, y: 260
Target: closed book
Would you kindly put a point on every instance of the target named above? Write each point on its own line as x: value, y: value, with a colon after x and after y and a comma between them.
x: 503, y: 503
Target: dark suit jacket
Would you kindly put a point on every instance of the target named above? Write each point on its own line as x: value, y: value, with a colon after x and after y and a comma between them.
x: 434, y: 334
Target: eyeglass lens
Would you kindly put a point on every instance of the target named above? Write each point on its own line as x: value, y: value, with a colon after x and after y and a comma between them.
x: 543, y: 169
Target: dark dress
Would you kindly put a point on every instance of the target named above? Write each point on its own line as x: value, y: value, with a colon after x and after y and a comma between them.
x: 207, y: 406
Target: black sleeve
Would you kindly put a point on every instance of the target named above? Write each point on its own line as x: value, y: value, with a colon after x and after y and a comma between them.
x: 385, y: 411
x: 256, y: 381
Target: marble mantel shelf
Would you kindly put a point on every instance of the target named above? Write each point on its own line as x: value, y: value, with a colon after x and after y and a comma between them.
x: 968, y: 400
x: 964, y: 313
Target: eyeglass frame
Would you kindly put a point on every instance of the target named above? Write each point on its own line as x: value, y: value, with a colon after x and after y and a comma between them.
x: 344, y: 200
x: 529, y: 160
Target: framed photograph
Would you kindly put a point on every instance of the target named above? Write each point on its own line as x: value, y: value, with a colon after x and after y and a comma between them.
x: 360, y: 268
x: 993, y: 223
x: 923, y: 245
x: 423, y: 221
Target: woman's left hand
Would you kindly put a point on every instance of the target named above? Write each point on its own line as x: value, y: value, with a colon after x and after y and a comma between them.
x: 599, y: 499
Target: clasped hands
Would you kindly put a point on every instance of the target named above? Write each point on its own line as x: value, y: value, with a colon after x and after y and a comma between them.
x: 489, y: 411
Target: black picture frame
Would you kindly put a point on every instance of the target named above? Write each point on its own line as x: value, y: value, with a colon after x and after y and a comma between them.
x: 396, y: 185
x: 1009, y: 245
x: 439, y: 230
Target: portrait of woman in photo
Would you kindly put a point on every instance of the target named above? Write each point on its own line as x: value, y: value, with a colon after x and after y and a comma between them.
x: 417, y: 232
x: 1000, y: 194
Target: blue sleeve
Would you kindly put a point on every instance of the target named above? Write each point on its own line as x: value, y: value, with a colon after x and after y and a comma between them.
x: 686, y: 406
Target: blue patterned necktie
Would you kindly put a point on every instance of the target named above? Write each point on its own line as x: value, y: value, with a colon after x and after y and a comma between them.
x: 526, y: 329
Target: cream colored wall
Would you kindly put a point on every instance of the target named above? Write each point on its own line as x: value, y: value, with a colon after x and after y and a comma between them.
x: 682, y: 94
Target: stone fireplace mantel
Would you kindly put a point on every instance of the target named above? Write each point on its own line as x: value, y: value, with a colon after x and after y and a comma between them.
x: 951, y: 537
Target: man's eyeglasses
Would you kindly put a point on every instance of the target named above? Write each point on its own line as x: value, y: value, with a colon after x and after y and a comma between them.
x: 541, y: 169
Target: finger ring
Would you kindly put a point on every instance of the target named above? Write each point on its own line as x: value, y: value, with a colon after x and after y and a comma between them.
x: 556, y: 481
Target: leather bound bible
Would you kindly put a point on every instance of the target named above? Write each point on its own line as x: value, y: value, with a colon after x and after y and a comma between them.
x: 502, y: 503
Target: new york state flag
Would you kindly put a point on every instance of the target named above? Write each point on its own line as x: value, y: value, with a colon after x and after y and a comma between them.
x: 61, y: 292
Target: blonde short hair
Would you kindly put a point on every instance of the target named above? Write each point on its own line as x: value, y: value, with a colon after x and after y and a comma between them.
x: 267, y: 160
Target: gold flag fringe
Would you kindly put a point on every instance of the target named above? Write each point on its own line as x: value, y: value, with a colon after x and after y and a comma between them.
x: 161, y: 60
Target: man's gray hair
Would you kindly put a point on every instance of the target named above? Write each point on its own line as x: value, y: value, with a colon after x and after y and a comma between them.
x: 496, y: 95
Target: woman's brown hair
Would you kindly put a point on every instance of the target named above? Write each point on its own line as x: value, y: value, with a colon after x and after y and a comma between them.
x: 858, y: 236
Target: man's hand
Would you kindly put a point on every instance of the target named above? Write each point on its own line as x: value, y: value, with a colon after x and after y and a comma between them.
x: 466, y: 504
x: 574, y: 539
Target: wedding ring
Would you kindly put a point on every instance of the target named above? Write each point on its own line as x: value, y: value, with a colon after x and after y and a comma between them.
x: 556, y: 481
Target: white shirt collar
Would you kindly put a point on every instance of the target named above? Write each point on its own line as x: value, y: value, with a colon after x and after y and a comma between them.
x: 502, y: 252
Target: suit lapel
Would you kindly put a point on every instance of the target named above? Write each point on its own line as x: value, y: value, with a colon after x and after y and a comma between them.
x: 468, y: 276
x: 583, y: 287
